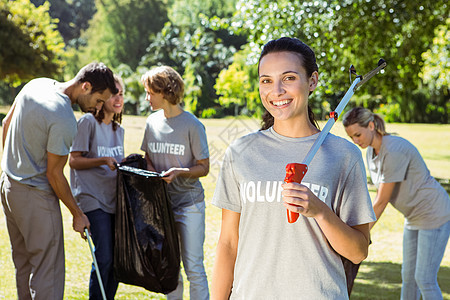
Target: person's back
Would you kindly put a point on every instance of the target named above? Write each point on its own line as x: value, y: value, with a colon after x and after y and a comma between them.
x: 43, y: 121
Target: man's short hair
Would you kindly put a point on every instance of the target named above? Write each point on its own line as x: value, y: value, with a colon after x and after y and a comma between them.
x: 99, y: 76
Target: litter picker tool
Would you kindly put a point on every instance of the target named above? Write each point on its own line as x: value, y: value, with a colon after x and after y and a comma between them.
x: 99, y: 277
x: 294, y: 171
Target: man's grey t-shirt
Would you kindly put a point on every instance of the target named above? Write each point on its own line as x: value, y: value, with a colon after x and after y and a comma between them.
x: 417, y: 195
x: 95, y: 188
x: 43, y: 121
x: 276, y: 259
x: 179, y: 141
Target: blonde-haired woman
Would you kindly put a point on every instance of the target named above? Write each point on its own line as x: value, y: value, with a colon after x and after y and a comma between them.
x: 402, y: 178
x: 175, y: 143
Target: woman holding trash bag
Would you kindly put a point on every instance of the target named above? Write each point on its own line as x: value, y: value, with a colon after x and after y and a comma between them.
x: 175, y: 145
x: 259, y: 254
x: 97, y: 148
x: 402, y: 178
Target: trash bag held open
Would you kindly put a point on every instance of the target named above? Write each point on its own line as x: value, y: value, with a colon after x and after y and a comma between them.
x: 146, y: 250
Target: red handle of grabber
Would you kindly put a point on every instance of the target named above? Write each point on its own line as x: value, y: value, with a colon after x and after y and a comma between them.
x: 294, y: 173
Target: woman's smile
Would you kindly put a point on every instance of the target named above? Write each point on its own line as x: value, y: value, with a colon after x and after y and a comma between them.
x: 280, y: 103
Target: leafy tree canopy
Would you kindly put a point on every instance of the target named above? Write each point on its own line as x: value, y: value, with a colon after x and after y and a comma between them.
x: 73, y: 16
x: 342, y: 33
x: 121, y: 31
x: 436, y: 69
x: 31, y: 45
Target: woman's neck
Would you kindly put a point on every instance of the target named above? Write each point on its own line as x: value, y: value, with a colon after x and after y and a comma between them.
x: 376, y: 142
x: 295, y: 128
x: 107, y: 119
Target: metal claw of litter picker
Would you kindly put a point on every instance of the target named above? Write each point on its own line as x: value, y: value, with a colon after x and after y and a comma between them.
x: 99, y: 277
x: 294, y: 171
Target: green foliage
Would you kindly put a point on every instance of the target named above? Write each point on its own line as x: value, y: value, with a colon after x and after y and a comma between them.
x: 390, y: 111
x: 215, y: 44
x: 436, y: 68
x: 31, y: 45
x: 120, y: 31
x: 209, y: 113
x: 73, y: 16
x: 349, y: 32
x: 195, y: 50
x: 198, y: 54
x: 134, y: 90
x: 237, y: 87
x: 192, y: 91
x: 193, y: 12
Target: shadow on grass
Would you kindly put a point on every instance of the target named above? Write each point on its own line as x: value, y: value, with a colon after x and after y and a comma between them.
x: 382, y: 280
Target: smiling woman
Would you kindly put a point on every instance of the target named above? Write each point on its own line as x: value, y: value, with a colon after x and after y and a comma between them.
x: 255, y: 239
x: 97, y: 148
x: 284, y: 87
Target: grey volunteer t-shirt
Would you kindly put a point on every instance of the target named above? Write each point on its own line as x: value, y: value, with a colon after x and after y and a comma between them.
x: 43, y: 121
x: 418, y: 196
x: 177, y: 142
x: 276, y: 259
x: 95, y: 188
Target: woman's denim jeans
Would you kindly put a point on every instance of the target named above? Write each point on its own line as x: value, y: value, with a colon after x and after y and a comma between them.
x: 423, y: 251
x: 102, y: 232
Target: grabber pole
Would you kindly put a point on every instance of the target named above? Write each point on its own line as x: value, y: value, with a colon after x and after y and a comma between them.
x: 294, y: 171
x: 99, y: 277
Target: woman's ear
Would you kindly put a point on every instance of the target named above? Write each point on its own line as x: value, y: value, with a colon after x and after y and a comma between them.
x: 371, y: 125
x: 313, y: 81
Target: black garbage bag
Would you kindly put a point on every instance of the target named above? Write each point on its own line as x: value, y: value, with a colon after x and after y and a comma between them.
x: 146, y: 249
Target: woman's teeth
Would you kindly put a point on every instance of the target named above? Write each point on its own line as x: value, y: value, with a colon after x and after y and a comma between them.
x: 282, y: 102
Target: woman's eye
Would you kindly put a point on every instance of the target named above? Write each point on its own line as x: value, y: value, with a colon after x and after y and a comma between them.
x: 287, y: 78
x: 265, y: 81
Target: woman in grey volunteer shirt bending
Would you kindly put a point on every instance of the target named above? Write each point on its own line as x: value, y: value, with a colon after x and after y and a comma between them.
x: 97, y: 147
x: 402, y: 178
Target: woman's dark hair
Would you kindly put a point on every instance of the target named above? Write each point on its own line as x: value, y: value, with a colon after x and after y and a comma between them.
x: 362, y: 117
x: 117, y: 118
x: 308, y: 59
x: 99, y: 76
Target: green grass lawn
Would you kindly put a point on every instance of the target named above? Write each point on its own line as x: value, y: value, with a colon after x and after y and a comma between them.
x: 379, y: 276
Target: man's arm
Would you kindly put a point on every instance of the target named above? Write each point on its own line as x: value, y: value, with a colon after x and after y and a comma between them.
x: 6, y: 122
x: 56, y: 178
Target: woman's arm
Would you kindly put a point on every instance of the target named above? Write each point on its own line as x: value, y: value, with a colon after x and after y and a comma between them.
x: 78, y: 162
x: 384, y: 194
x: 223, y: 270
x: 200, y: 169
x: 350, y: 242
